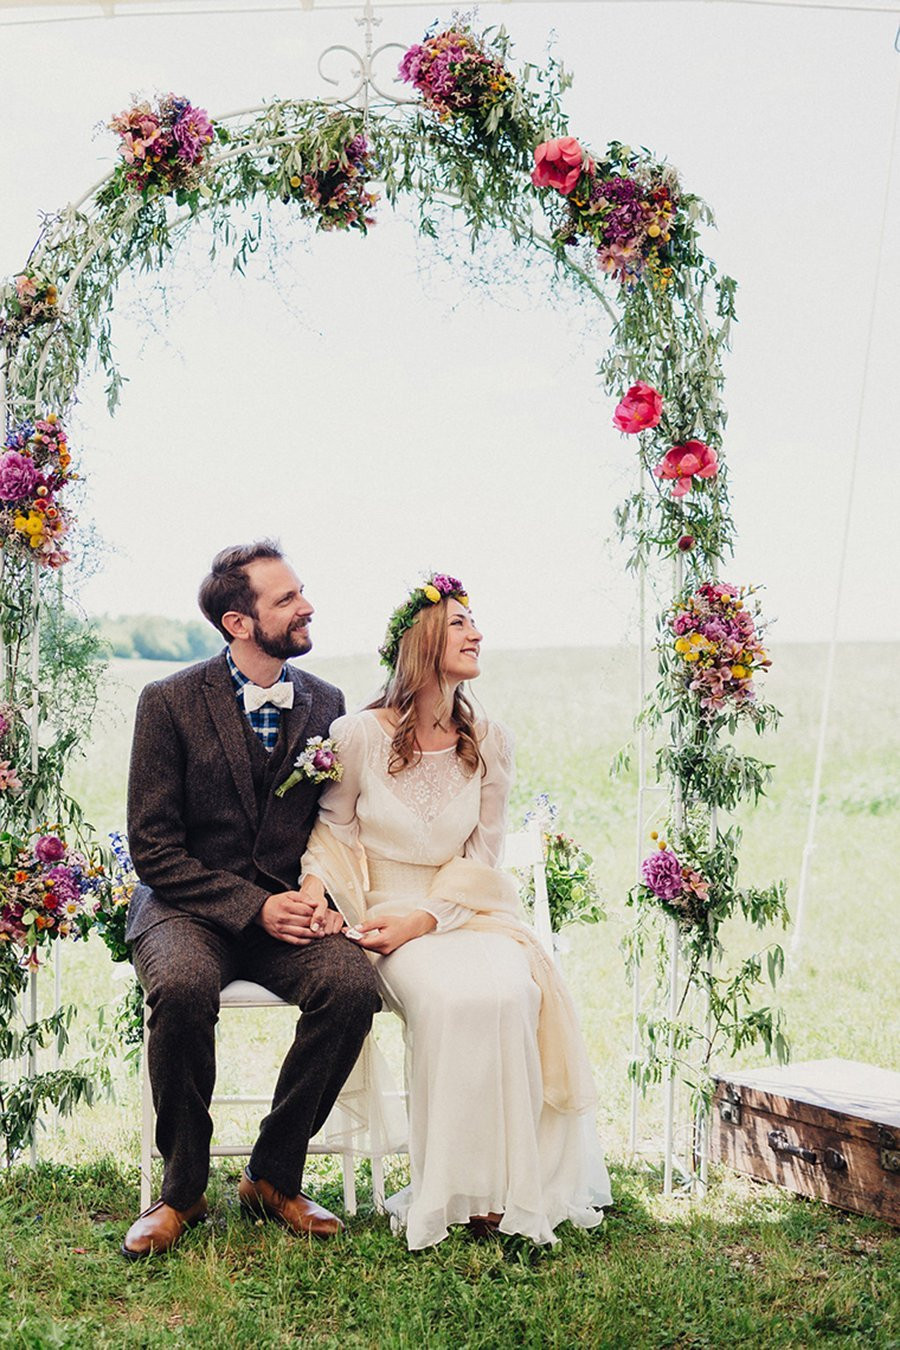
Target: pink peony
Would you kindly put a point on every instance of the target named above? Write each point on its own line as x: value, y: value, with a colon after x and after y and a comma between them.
x: 640, y: 409
x: 49, y: 849
x: 662, y: 874
x: 684, y: 462
x: 559, y: 164
x: 192, y: 132
x: 18, y: 476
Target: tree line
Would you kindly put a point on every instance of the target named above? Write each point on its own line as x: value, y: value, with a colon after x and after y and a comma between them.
x: 151, y: 637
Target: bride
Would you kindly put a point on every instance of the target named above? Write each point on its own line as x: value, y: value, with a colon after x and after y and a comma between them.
x: 501, y: 1100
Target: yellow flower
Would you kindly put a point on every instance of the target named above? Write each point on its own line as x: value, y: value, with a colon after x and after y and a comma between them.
x: 295, y: 181
x: 433, y: 594
x: 692, y: 656
x: 682, y: 645
x: 740, y: 672
x: 653, y: 231
x: 463, y: 600
x: 32, y: 524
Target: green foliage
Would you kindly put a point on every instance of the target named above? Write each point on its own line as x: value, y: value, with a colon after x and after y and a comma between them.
x: 24, y: 1098
x: 573, y: 895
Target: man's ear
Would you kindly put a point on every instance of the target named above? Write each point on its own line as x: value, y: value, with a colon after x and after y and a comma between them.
x: 237, y: 625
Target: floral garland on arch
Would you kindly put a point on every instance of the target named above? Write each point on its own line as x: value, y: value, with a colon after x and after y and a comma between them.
x: 487, y: 147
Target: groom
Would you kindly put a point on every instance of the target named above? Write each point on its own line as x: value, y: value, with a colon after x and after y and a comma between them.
x: 218, y: 856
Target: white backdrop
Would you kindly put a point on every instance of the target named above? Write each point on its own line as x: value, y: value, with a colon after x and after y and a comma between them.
x: 382, y: 417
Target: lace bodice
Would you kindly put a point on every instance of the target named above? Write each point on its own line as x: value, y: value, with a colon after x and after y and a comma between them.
x: 427, y: 814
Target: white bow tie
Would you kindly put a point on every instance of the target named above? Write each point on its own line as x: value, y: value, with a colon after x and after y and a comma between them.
x: 280, y: 694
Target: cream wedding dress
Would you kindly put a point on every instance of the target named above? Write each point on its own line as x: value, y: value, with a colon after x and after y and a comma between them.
x: 481, y: 1136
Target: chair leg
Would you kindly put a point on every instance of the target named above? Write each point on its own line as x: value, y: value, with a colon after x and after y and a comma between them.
x: 347, y: 1162
x: 146, y: 1125
x: 378, y: 1183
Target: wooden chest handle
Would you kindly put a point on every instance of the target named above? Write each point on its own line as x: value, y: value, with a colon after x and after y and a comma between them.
x: 778, y: 1142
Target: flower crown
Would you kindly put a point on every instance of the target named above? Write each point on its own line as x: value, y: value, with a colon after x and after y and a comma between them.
x: 437, y: 587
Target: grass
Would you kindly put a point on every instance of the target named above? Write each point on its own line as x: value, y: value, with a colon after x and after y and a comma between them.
x: 751, y: 1266
x: 748, y: 1263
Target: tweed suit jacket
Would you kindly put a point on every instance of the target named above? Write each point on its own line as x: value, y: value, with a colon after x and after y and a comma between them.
x: 200, y: 842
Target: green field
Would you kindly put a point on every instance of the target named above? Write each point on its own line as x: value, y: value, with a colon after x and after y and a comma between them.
x: 746, y: 1263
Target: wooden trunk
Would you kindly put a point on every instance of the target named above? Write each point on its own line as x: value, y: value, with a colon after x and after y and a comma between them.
x: 829, y: 1129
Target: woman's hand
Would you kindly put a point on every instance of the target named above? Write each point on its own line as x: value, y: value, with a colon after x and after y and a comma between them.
x: 390, y: 931
x: 322, y: 920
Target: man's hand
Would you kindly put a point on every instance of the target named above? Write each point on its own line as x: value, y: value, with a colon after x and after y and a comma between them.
x: 386, y: 934
x: 292, y: 917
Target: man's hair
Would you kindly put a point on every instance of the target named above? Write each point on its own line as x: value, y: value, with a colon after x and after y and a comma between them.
x: 227, y: 587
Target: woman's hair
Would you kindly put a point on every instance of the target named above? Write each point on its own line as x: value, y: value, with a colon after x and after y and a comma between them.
x: 420, y: 655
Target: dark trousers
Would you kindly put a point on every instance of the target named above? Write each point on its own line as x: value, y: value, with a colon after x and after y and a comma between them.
x: 182, y: 965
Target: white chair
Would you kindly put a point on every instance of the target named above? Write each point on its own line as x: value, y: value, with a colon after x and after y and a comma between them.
x: 522, y: 850
x: 238, y: 994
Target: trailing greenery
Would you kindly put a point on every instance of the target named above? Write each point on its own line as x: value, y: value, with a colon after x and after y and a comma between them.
x: 467, y: 165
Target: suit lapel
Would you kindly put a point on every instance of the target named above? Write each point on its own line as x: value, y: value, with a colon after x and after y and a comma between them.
x: 218, y: 690
x: 296, y: 720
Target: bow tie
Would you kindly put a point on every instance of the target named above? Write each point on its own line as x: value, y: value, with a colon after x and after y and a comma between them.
x: 281, y: 695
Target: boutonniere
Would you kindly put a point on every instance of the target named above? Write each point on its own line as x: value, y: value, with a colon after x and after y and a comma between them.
x: 318, y: 763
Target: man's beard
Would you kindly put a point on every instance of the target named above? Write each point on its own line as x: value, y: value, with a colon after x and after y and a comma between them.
x: 282, y: 646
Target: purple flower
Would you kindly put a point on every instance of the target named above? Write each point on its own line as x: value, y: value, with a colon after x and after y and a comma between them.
x: 65, y: 884
x: 662, y: 873
x: 409, y: 66
x: 18, y: 476
x: 4, y: 724
x: 49, y: 849
x: 192, y: 132
x: 446, y: 585
x: 19, y: 438
x: 323, y: 759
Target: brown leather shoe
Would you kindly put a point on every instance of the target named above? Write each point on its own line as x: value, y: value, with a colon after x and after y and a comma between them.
x: 296, y: 1212
x: 159, y: 1228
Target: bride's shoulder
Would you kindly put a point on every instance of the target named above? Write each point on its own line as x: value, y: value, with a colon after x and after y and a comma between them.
x: 495, y: 739
x: 352, y: 728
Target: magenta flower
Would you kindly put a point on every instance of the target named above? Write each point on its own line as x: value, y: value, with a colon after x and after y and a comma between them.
x: 446, y: 585
x: 65, y: 885
x: 640, y: 409
x: 685, y: 462
x: 18, y: 476
x: 662, y: 874
x: 323, y: 759
x: 192, y: 132
x: 49, y: 849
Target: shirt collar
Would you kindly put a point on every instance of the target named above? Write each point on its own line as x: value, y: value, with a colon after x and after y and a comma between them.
x: 239, y: 679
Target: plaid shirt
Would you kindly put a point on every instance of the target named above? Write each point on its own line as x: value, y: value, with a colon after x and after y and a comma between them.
x: 266, y: 720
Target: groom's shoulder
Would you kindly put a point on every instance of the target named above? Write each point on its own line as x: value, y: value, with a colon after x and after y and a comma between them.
x: 190, y: 678
x: 320, y: 689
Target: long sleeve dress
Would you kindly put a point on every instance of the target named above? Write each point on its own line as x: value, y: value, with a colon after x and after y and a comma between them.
x: 481, y: 1136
